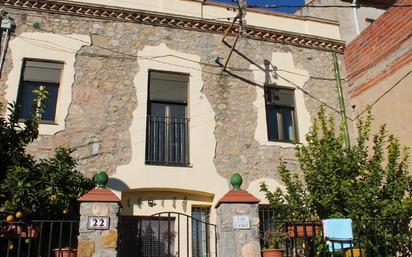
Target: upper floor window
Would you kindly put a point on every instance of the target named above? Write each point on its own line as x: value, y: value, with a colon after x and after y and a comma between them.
x: 280, y: 114
x: 39, y: 75
x: 167, y: 139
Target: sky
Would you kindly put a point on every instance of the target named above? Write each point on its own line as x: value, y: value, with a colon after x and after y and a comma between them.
x: 271, y: 2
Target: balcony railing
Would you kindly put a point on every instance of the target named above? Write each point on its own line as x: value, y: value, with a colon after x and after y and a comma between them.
x: 167, y: 141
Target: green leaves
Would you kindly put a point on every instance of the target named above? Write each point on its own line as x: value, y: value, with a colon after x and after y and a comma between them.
x: 368, y: 181
x: 41, y: 189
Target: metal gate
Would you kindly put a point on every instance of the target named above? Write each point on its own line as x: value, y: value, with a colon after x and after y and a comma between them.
x: 166, y: 234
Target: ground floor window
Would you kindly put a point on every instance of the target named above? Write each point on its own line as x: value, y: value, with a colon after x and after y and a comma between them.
x: 200, y: 232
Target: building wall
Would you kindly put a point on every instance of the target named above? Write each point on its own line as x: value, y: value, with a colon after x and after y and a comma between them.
x: 105, y: 122
x: 379, y: 67
x: 225, y: 12
x: 344, y: 16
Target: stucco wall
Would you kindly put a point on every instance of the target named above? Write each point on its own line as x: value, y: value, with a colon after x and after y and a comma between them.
x: 105, y: 123
x: 391, y: 104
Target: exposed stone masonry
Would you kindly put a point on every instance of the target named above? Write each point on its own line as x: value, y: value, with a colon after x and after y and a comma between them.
x: 104, y: 96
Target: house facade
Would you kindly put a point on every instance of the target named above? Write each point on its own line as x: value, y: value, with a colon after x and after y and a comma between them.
x: 380, y: 76
x: 138, y: 90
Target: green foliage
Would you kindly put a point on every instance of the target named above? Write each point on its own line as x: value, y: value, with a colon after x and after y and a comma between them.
x: 366, y: 182
x: 43, y: 189
x: 274, y: 239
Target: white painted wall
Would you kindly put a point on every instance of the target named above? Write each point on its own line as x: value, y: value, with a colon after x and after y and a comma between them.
x: 293, y: 79
x: 221, y: 12
x: 46, y: 46
x: 202, y: 175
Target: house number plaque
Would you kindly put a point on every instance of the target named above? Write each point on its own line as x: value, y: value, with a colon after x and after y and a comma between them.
x: 98, y: 222
x: 241, y: 222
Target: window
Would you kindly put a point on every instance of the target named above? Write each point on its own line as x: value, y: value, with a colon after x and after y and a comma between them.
x: 280, y: 118
x: 37, y: 75
x: 200, y: 231
x: 167, y: 140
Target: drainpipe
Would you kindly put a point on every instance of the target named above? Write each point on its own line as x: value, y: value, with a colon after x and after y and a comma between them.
x: 341, y: 100
x: 355, y: 17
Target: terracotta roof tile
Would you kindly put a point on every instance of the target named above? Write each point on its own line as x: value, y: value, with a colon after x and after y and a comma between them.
x: 99, y: 195
x: 237, y: 196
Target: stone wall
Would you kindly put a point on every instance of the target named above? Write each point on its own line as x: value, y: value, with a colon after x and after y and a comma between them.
x: 238, y: 242
x: 98, y: 242
x: 104, y: 97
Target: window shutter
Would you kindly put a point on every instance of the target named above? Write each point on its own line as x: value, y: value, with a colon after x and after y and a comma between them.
x: 168, y: 87
x: 48, y: 72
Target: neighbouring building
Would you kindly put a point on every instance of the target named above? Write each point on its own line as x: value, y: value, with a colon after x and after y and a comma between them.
x: 351, y: 21
x: 379, y: 65
x: 136, y: 88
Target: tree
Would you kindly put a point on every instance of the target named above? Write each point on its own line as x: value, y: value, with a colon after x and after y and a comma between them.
x: 361, y: 182
x: 42, y: 189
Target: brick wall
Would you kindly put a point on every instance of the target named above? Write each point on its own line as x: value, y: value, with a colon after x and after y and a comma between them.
x: 379, y: 40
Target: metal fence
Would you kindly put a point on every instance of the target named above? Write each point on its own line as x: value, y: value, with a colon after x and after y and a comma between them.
x: 167, y: 141
x: 167, y: 234
x: 39, y: 238
x: 371, y: 238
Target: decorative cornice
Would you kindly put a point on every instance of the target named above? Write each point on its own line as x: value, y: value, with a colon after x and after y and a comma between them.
x: 174, y: 21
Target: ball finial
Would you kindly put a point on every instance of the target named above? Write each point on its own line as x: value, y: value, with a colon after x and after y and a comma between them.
x: 101, y: 179
x: 236, y: 181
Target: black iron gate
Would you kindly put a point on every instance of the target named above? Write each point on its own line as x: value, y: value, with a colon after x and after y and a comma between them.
x: 166, y: 234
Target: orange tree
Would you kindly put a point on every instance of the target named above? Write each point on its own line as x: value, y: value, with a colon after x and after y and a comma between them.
x: 41, y: 189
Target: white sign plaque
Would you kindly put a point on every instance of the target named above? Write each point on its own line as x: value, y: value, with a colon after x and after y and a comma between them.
x: 241, y: 222
x: 98, y: 222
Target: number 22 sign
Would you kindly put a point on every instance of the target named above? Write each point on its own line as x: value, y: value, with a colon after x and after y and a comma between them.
x: 98, y: 222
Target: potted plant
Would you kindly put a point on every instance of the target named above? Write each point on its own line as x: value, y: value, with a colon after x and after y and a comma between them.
x: 273, y: 243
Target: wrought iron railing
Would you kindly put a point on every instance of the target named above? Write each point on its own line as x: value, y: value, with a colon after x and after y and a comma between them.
x: 166, y: 234
x: 39, y: 238
x: 167, y: 141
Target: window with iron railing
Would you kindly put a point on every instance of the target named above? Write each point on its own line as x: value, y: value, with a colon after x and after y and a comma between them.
x: 167, y: 127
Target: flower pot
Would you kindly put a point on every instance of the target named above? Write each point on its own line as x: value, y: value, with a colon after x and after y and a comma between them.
x: 272, y: 252
x: 65, y: 252
x: 357, y: 252
x: 298, y: 230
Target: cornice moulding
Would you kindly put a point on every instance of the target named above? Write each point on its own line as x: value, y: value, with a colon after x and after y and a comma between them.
x: 174, y: 21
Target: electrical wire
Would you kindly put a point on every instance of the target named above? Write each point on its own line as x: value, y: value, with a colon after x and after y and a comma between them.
x: 153, y: 58
x: 383, y: 95
x: 271, y: 6
x: 380, y: 58
x: 178, y: 57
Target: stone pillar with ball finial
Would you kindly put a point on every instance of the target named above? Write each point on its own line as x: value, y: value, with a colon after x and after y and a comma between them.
x: 237, y: 222
x: 99, y: 218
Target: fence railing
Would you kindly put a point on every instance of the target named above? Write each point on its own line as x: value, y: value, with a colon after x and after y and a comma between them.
x: 371, y: 238
x: 39, y: 238
x: 166, y: 234
x: 167, y: 141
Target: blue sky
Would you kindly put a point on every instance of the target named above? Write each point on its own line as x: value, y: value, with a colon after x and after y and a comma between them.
x: 272, y: 2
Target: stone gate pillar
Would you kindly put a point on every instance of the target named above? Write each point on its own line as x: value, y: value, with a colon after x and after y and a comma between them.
x: 237, y: 222
x: 99, y: 216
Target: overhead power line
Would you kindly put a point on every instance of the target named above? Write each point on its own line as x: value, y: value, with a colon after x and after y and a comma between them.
x: 274, y: 6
